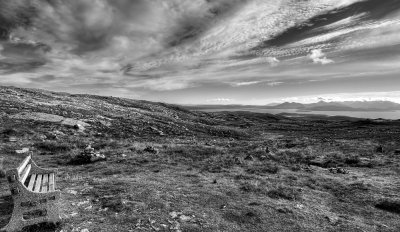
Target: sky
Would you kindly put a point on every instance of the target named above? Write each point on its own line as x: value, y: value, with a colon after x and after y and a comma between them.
x: 205, y: 51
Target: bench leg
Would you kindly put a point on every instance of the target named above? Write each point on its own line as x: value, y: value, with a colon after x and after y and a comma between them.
x: 53, y: 212
x: 17, y: 222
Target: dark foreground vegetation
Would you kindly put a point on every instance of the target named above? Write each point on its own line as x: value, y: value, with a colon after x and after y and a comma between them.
x: 170, y: 169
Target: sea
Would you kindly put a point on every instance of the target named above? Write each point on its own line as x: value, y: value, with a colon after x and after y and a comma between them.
x: 391, y: 115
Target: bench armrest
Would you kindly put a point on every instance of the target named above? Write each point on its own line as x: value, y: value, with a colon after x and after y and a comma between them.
x: 38, y: 170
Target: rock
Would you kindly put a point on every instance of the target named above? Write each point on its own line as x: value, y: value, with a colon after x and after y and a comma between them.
x: 185, y: 218
x: 338, y: 171
x: 159, y: 132
x: 22, y: 151
x: 79, y: 127
x: 333, y: 220
x: 263, y: 157
x: 174, y: 214
x: 379, y: 149
x: 151, y: 149
x: 249, y: 158
x: 97, y: 157
x: 73, y: 192
x: 2, y: 173
x: 88, y: 156
x: 237, y: 161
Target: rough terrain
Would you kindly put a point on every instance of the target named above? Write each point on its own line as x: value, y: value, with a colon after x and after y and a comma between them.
x: 171, y: 169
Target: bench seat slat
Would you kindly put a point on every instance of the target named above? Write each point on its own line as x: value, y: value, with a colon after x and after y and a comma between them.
x: 38, y: 183
x: 23, y: 164
x: 32, y: 182
x: 52, y: 183
x: 45, y: 183
x: 25, y: 173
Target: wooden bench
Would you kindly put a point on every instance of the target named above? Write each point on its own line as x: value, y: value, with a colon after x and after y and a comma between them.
x: 34, y: 195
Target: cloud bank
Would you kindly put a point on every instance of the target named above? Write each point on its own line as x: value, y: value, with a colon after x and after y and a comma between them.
x: 139, y: 48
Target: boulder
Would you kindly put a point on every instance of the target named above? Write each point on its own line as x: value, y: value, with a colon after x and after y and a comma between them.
x: 88, y: 156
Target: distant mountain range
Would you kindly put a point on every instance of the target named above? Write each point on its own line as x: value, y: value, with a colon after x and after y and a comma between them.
x: 319, y: 106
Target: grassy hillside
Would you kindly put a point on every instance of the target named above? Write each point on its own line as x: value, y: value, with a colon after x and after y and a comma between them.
x: 170, y: 169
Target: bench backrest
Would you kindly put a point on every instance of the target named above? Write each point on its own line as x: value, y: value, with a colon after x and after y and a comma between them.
x: 23, y: 170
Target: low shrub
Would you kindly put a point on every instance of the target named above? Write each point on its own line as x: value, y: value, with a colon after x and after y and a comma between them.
x: 54, y: 146
x: 389, y: 205
x: 283, y: 192
x: 263, y: 169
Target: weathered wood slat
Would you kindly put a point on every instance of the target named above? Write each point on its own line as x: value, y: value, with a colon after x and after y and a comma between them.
x: 25, y: 173
x: 32, y: 182
x: 38, y: 183
x: 23, y: 164
x: 45, y: 183
x: 52, y: 183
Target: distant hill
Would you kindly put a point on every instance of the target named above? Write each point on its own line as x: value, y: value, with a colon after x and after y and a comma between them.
x: 318, y: 106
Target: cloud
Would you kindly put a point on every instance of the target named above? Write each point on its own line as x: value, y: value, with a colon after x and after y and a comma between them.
x: 319, y: 57
x: 273, y: 61
x: 220, y: 100
x: 247, y: 83
x: 1, y: 49
x: 274, y: 83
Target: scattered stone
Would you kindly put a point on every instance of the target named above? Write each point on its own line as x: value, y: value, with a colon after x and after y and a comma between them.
x: 338, y: 171
x: 22, y: 151
x: 263, y: 157
x: 237, y: 161
x: 379, y: 149
x: 309, y: 169
x: 74, y: 214
x: 88, y: 156
x: 84, y: 230
x: 333, y: 220
x: 2, y: 173
x: 185, y: 218
x: 79, y: 127
x: 151, y: 149
x: 12, y: 139
x: 159, y: 132
x: 174, y: 214
x: 42, y: 137
x: 51, y: 135
x: 284, y: 210
x: 73, y: 192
